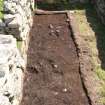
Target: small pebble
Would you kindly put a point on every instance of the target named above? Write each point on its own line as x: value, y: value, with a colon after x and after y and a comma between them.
x: 67, y: 20
x: 58, y: 31
x: 51, y: 26
x: 6, y: 93
x: 72, y: 12
x: 58, y: 27
x: 52, y: 31
x: 56, y: 93
x: 55, y: 66
x: 65, y: 90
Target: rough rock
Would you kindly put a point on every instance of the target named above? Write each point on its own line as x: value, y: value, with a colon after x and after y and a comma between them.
x: 11, y: 71
x: 17, y: 17
x: 2, y: 24
x: 4, y: 100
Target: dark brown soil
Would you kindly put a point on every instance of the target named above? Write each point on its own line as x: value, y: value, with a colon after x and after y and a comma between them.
x: 52, y: 76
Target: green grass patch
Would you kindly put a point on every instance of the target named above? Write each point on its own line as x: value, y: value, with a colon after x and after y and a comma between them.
x: 1, y: 9
x: 102, y: 89
x: 100, y: 73
x: 19, y: 45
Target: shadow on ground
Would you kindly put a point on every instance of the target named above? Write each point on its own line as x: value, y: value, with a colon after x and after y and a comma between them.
x: 61, y: 6
x: 99, y: 30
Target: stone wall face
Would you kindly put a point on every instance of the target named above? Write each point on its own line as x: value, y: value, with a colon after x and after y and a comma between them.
x: 100, y: 7
x: 17, y: 21
x: 17, y: 18
x: 11, y: 71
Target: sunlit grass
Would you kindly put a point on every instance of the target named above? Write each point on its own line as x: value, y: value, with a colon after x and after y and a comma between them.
x: 1, y: 9
x: 100, y: 73
x: 19, y: 45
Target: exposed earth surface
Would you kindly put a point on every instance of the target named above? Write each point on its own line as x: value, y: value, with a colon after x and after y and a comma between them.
x: 52, y: 76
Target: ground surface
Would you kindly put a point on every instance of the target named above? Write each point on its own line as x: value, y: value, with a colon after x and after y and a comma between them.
x: 52, y: 76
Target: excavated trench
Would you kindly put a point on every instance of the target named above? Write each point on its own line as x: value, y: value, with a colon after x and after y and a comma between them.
x: 52, y: 76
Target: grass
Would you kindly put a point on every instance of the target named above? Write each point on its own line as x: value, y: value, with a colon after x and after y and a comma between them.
x: 1, y: 9
x: 93, y: 31
x: 100, y: 73
x: 102, y: 100
x: 19, y: 45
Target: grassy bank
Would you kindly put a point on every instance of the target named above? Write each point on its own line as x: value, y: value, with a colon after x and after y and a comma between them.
x: 93, y: 32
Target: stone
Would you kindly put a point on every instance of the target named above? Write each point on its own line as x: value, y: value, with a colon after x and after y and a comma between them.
x: 57, y: 31
x: 2, y: 24
x: 4, y: 100
x: 55, y: 66
x: 9, y: 7
x: 8, y: 16
x: 11, y: 71
x: 17, y: 17
x: 51, y: 26
x: 7, y: 40
x: 13, y: 23
x: 64, y: 90
x: 8, y: 21
x: 4, y: 71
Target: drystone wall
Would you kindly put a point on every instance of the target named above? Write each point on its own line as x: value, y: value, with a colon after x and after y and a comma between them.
x: 17, y: 18
x: 11, y: 71
x: 100, y: 7
x: 16, y: 22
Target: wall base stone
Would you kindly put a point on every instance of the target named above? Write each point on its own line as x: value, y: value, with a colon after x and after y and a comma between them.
x: 11, y: 71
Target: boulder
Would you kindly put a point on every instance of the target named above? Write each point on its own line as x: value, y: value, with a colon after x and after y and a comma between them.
x: 11, y: 71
